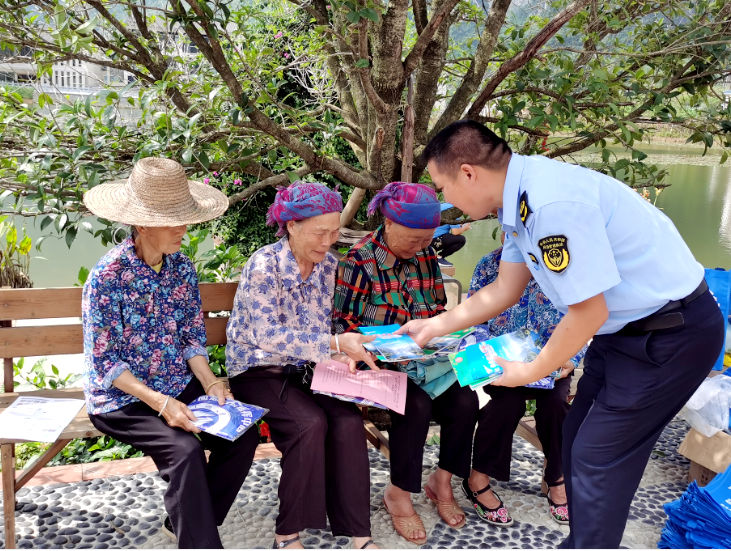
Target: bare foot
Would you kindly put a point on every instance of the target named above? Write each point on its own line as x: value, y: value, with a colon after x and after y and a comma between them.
x: 398, y: 504
x: 477, y: 482
x: 558, y: 494
x: 439, y: 486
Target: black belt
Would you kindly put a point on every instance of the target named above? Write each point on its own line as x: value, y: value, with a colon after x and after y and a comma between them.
x: 666, y: 317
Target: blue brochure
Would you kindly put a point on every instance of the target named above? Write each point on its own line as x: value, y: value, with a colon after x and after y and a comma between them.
x: 389, y: 347
x: 475, y: 366
x: 228, y: 421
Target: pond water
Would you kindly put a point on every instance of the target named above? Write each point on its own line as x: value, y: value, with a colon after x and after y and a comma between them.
x: 698, y: 201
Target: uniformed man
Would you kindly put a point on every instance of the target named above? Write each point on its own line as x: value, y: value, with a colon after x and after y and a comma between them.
x: 619, y: 270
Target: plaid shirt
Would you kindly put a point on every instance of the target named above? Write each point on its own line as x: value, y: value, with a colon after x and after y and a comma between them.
x: 374, y: 287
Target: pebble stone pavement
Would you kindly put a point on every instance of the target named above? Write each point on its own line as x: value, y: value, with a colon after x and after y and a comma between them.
x: 126, y: 511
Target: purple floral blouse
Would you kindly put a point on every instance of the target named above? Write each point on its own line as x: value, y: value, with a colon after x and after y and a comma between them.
x: 277, y: 318
x: 138, y: 320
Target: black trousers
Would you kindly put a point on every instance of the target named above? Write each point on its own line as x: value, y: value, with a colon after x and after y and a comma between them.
x: 632, y: 387
x: 325, y: 467
x: 499, y: 418
x: 199, y: 493
x: 455, y: 410
x: 448, y: 244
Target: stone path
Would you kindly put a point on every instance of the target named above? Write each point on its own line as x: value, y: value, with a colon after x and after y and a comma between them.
x: 126, y: 511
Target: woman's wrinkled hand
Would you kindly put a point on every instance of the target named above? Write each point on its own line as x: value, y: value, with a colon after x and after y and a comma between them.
x: 221, y: 392
x: 351, y: 344
x: 178, y: 415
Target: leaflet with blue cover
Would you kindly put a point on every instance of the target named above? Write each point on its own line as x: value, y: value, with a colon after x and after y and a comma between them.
x: 389, y: 347
x: 475, y: 366
x: 228, y: 421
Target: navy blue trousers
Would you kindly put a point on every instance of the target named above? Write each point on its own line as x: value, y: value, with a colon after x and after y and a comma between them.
x: 632, y: 387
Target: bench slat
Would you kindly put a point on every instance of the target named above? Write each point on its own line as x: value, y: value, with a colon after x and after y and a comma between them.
x: 43, y: 340
x: 61, y: 302
x: 217, y: 296
x: 216, y: 330
x: 65, y: 302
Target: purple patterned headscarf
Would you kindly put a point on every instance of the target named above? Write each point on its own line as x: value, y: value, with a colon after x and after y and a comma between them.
x: 411, y: 205
x: 302, y: 200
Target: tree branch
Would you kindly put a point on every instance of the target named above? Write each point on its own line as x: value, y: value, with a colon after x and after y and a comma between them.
x: 416, y: 53
x: 530, y: 50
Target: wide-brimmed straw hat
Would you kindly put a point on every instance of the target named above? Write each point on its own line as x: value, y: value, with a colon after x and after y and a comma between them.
x: 157, y: 193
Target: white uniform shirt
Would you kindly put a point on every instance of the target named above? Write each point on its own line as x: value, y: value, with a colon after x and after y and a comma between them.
x: 582, y: 233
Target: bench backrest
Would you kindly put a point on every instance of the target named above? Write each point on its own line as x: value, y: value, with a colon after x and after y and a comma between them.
x: 66, y: 337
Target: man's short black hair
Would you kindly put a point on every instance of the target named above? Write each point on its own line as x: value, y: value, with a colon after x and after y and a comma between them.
x: 467, y: 142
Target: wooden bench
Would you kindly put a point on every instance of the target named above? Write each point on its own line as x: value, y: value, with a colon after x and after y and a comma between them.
x: 46, y: 338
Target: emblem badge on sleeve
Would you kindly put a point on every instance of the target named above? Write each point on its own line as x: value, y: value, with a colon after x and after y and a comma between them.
x: 555, y: 252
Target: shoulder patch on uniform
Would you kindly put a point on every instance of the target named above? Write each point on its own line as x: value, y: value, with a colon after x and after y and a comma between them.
x: 555, y: 252
x: 533, y: 258
x: 525, y: 210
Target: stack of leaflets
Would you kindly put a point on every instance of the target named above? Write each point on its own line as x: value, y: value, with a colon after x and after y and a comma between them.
x: 389, y: 347
x: 701, y: 518
x: 475, y: 366
x: 379, y: 388
x: 228, y: 421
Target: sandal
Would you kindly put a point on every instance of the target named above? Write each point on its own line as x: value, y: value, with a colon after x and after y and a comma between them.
x: 447, y: 509
x: 498, y: 516
x: 407, y: 524
x: 285, y: 543
x: 558, y: 511
x: 367, y: 544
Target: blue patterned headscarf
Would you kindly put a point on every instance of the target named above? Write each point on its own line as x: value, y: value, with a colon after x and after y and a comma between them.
x: 302, y: 200
x: 411, y: 205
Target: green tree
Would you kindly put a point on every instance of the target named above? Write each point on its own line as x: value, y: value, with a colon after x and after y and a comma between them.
x: 350, y: 90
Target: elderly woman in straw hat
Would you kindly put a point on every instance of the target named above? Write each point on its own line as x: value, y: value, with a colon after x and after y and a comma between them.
x: 279, y: 326
x: 145, y: 347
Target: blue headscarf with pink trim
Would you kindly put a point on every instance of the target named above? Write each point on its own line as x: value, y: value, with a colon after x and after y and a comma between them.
x: 302, y: 200
x: 411, y: 205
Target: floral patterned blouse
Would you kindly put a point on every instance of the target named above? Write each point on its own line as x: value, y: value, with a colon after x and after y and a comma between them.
x: 534, y: 311
x: 278, y: 318
x: 138, y: 320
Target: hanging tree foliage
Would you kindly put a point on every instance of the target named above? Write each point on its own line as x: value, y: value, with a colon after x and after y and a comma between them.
x: 350, y: 90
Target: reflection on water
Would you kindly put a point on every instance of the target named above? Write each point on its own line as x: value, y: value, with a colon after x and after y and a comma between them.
x: 698, y: 202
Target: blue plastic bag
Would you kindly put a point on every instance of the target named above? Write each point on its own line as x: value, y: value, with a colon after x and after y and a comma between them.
x: 719, y: 281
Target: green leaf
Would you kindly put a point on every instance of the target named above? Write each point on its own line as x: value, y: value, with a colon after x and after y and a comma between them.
x: 362, y: 63
x: 82, y: 275
x: 724, y: 157
x: 61, y: 222
x: 203, y: 158
x: 70, y: 236
x: 639, y: 155
x: 369, y: 13
x: 353, y: 17
x: 87, y: 28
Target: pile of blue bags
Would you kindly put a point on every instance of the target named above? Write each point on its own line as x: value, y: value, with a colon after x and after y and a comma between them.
x: 701, y: 518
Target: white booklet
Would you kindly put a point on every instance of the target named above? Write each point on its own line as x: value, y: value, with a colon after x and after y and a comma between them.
x: 38, y: 419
